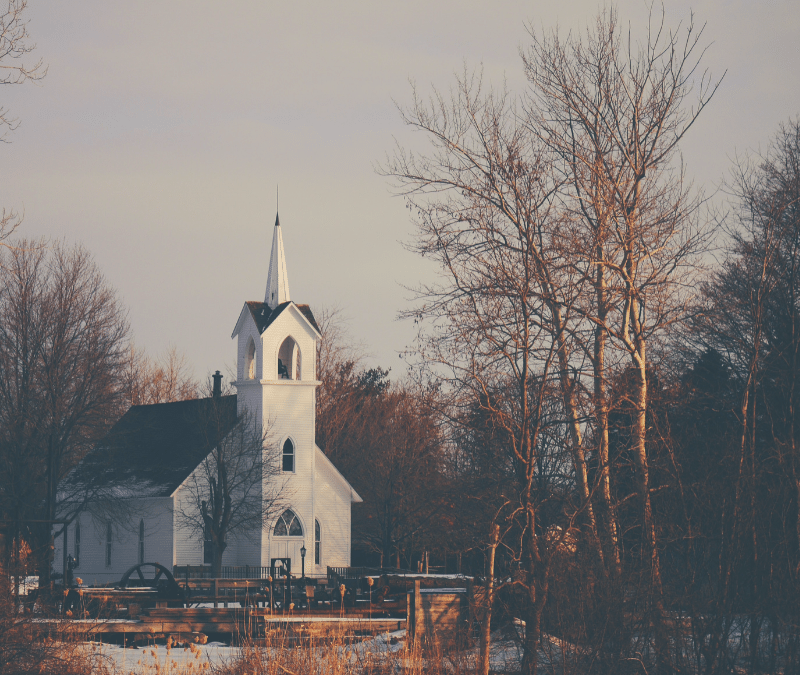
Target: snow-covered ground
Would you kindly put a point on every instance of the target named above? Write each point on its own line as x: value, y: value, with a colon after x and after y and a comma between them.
x: 161, y: 659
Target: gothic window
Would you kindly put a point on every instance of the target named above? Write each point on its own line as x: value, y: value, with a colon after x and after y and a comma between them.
x: 141, y: 542
x: 317, y: 543
x: 77, y: 544
x: 250, y: 361
x: 109, y: 535
x: 289, y: 360
x: 288, y: 525
x: 288, y: 456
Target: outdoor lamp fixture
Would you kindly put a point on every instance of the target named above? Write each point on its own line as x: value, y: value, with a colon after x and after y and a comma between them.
x: 303, y: 560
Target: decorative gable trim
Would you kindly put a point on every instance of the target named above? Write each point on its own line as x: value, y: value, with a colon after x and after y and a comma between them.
x: 241, y: 320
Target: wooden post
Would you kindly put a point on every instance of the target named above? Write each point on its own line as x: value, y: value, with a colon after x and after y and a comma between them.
x: 470, y: 607
x: 216, y: 592
x: 486, y: 614
x: 418, y: 621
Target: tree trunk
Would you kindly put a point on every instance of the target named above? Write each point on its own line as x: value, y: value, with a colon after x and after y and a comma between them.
x: 486, y: 622
x: 649, y: 539
x: 607, y: 512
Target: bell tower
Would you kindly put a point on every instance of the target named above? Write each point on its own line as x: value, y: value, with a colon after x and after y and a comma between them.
x: 276, y: 382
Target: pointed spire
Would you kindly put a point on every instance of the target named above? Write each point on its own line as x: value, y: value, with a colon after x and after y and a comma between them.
x: 278, y: 279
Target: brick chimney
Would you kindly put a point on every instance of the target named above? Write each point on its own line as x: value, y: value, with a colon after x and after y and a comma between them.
x: 217, y: 384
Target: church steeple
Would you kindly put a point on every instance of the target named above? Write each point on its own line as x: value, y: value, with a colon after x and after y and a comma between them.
x: 278, y: 279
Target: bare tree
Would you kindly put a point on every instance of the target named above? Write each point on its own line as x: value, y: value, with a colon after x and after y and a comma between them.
x: 63, y: 339
x: 163, y: 380
x: 614, y: 112
x: 237, y: 490
x: 15, y: 45
x: 495, y: 331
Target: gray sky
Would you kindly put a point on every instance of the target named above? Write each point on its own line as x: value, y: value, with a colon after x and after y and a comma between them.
x: 162, y: 128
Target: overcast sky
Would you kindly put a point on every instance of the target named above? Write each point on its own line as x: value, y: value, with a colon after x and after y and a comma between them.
x: 160, y: 133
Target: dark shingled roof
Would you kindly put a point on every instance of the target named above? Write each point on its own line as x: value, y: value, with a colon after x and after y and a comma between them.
x: 154, y: 448
x: 264, y: 316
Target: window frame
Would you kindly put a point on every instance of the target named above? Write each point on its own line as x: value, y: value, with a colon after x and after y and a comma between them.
x: 251, y: 360
x: 317, y: 542
x: 292, y: 455
x: 287, y: 525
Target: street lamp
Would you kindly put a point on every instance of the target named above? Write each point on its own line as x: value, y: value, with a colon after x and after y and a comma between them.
x: 303, y: 559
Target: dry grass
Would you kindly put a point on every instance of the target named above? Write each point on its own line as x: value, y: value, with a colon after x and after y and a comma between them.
x: 283, y: 656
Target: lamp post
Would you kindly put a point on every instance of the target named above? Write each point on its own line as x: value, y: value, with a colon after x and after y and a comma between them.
x: 303, y: 560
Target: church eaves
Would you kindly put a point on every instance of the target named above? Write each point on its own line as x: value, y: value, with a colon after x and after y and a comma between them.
x: 277, y: 279
x: 264, y: 315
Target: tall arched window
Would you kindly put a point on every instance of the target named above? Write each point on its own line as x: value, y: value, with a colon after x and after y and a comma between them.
x: 288, y: 456
x: 77, y: 544
x: 250, y: 361
x: 141, y: 542
x: 109, y: 535
x: 317, y: 543
x: 289, y: 360
x: 288, y: 525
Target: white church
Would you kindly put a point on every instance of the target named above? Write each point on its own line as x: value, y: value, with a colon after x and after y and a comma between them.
x: 150, y: 455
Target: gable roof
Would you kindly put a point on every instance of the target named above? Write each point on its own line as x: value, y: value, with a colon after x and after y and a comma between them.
x: 264, y: 315
x: 152, y: 449
x: 324, y: 463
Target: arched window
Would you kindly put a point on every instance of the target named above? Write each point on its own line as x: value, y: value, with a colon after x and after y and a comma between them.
x: 109, y: 535
x: 288, y: 525
x: 141, y: 542
x: 288, y: 456
x: 77, y: 544
x: 250, y: 361
x: 289, y: 360
x: 317, y: 543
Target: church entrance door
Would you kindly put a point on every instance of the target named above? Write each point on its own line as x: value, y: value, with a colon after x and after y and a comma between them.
x: 287, y: 540
x: 289, y: 548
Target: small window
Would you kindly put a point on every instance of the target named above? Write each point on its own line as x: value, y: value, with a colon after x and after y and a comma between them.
x: 288, y: 525
x: 141, y: 542
x: 317, y: 543
x: 77, y: 544
x: 288, y: 456
x: 109, y: 535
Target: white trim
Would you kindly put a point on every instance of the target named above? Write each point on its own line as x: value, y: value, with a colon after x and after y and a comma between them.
x: 305, y: 320
x: 290, y: 383
x: 242, y: 316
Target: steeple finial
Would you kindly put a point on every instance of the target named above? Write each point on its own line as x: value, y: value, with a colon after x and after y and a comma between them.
x: 277, y: 279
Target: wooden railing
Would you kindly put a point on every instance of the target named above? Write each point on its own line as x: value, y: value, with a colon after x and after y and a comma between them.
x: 348, y: 573
x: 227, y: 572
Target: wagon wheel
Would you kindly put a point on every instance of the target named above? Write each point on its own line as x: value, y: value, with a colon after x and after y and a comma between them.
x: 152, y: 575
